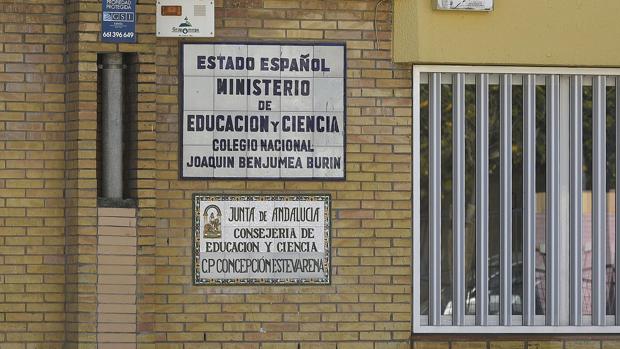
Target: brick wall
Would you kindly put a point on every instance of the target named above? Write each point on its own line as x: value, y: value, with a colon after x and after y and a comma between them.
x: 56, y: 279
x: 369, y: 299
x: 31, y: 173
x: 83, y: 44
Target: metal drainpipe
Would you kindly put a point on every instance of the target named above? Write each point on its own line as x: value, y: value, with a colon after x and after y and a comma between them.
x: 112, y: 130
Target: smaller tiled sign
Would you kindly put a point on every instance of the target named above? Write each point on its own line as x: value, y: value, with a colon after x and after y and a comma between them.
x: 261, y: 239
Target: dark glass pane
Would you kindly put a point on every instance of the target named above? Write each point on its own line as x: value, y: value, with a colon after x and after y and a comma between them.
x: 470, y: 199
x: 494, y: 200
x: 517, y: 200
x: 611, y: 199
x: 587, y: 201
x: 424, y: 201
x: 541, y: 189
x: 446, y: 199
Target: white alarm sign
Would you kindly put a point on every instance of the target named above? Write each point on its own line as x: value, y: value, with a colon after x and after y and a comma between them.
x: 185, y: 18
x: 464, y: 5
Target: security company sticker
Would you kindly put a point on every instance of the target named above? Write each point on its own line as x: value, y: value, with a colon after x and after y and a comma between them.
x: 118, y: 22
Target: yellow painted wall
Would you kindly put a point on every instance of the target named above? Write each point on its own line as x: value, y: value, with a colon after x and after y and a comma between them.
x: 517, y: 32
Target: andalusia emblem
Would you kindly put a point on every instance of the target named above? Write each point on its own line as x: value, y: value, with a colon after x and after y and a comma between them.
x: 212, y: 216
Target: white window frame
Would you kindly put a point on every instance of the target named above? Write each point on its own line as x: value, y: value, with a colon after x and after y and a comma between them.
x: 611, y: 325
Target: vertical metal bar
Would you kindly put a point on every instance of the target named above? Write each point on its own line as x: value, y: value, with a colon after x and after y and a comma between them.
x: 482, y: 199
x: 564, y: 178
x: 552, y: 203
x: 435, y: 199
x: 416, y: 200
x: 617, y: 201
x: 599, y: 209
x: 458, y: 190
x: 575, y: 216
x: 529, y: 199
x: 112, y: 125
x: 505, y: 92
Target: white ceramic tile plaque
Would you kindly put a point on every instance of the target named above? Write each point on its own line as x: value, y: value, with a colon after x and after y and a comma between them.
x: 261, y: 239
x: 263, y: 110
x: 464, y: 5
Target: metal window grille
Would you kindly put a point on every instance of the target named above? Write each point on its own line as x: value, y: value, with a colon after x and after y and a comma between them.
x: 562, y: 277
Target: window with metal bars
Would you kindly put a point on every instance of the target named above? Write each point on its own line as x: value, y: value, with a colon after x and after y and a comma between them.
x: 514, y: 183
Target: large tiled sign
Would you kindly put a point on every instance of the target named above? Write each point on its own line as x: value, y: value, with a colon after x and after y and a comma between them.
x: 261, y: 239
x: 265, y: 111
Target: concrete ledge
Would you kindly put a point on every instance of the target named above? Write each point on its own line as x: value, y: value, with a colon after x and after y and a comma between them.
x: 121, y: 203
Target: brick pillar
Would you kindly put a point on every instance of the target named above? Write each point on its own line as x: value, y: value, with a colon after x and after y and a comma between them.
x: 116, y: 278
x: 82, y: 297
x: 80, y: 176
